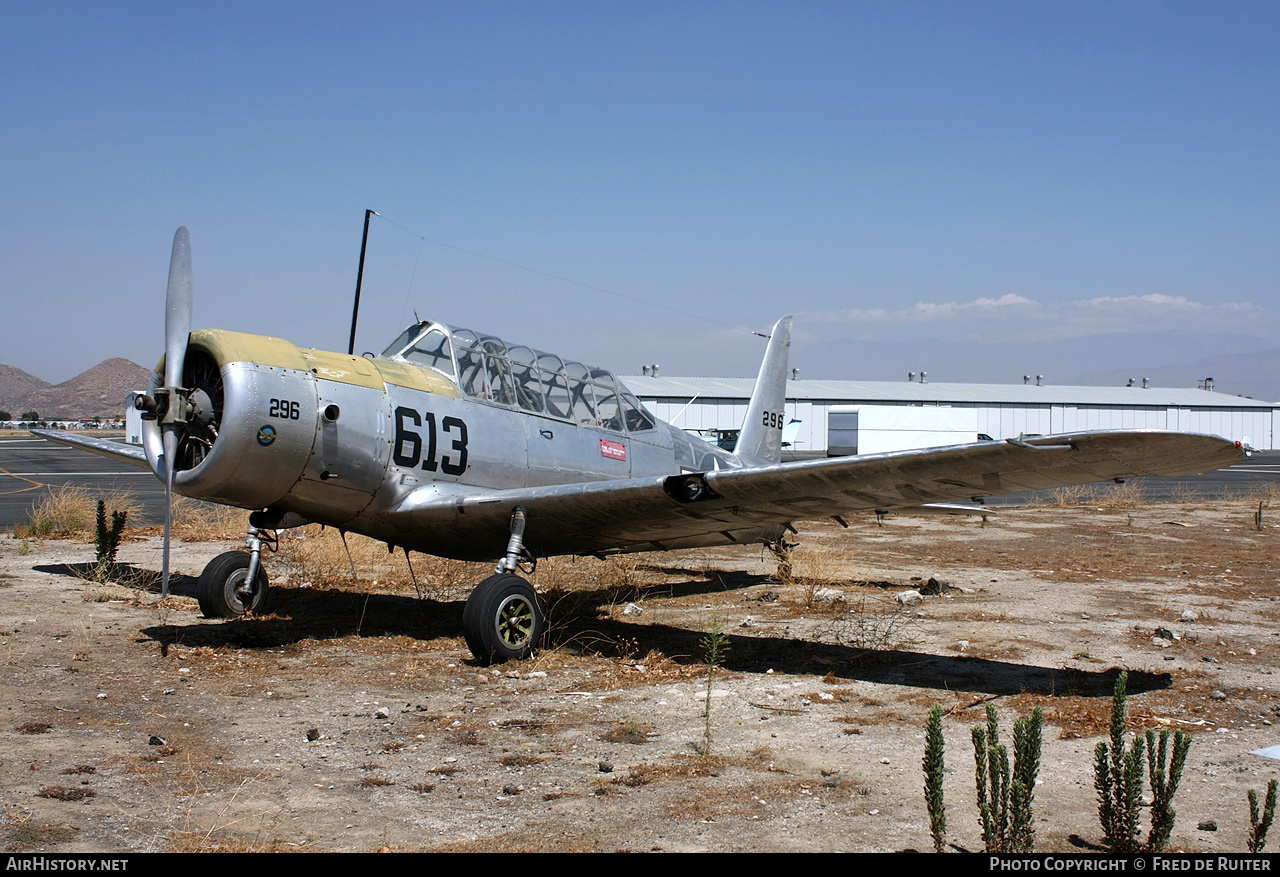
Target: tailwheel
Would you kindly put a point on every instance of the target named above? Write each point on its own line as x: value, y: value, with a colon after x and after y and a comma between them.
x: 225, y: 591
x: 503, y: 619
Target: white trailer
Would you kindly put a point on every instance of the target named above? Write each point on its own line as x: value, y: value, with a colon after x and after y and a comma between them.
x: 875, y: 429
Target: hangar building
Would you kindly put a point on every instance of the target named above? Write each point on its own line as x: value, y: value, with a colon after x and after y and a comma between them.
x: 1003, y: 410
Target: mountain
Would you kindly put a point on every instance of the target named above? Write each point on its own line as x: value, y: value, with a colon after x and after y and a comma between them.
x: 1256, y: 374
x: 98, y: 392
x: 14, y: 385
x: 1245, y: 364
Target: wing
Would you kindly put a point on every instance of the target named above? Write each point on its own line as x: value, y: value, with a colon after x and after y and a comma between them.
x: 742, y: 505
x: 101, y: 446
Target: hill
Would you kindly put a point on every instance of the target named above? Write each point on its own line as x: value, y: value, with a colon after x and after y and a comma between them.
x: 16, y: 384
x: 98, y: 392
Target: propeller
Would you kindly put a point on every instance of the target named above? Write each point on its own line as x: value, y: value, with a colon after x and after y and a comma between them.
x: 177, y: 330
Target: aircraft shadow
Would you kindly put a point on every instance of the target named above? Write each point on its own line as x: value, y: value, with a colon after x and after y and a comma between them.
x: 895, y: 666
x: 126, y: 575
x: 299, y: 614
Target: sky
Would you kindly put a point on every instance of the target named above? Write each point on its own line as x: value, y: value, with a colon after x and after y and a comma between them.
x: 629, y: 183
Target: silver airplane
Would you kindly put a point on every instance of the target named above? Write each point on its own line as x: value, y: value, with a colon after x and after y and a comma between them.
x: 458, y: 444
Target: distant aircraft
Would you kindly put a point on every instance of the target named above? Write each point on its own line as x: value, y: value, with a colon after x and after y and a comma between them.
x: 457, y: 444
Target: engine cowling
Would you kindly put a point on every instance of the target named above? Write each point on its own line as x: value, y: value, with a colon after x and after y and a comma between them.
x: 253, y: 421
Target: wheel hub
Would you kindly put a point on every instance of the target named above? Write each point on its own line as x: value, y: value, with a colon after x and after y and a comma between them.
x: 515, y: 621
x: 240, y: 589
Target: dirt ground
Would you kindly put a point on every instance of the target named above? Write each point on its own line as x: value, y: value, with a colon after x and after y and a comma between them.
x: 353, y: 718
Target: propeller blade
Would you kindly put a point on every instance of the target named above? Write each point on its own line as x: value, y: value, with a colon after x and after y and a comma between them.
x: 177, y: 331
x: 170, y: 457
x: 177, y: 309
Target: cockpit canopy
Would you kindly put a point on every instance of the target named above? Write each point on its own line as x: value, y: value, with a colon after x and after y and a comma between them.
x: 487, y: 369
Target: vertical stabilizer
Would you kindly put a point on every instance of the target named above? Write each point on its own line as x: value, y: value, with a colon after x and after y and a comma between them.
x: 760, y: 442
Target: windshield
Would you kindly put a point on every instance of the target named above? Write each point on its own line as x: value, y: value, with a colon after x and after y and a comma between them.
x: 489, y: 369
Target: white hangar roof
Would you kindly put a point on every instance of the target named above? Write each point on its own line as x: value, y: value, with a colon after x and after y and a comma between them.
x: 916, y: 393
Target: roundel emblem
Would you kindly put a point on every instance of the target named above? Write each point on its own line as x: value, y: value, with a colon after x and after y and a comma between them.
x: 266, y: 435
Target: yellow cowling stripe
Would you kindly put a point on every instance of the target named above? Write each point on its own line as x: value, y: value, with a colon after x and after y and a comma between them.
x: 359, y: 371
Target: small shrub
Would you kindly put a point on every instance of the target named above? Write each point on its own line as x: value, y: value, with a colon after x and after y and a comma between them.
x: 714, y: 646
x: 1259, y: 824
x: 1117, y: 777
x: 934, y: 765
x: 107, y: 540
x: 1163, y: 788
x: 1005, y: 798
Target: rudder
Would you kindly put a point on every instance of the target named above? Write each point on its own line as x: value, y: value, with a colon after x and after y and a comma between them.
x: 760, y: 441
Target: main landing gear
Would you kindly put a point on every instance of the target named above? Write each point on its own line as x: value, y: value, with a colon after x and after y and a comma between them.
x: 504, y: 619
x: 233, y: 583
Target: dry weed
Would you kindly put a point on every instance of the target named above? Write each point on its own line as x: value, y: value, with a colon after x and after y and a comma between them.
x: 1183, y: 493
x: 875, y: 626
x: 1267, y: 492
x: 69, y: 512
x: 1126, y: 496
x: 519, y: 760
x: 62, y: 793
x: 811, y: 567
x: 1072, y: 494
x: 197, y: 521
x: 312, y: 557
x: 623, y: 576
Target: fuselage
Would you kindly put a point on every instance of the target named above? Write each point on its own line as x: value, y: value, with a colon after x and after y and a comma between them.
x: 343, y: 440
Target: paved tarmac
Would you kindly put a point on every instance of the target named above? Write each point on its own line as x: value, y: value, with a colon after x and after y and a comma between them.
x: 30, y: 466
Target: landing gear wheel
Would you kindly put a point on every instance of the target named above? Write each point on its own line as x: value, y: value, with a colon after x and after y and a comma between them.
x: 503, y: 619
x: 224, y: 591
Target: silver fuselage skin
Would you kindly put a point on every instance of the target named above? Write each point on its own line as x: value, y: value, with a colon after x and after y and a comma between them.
x: 345, y: 440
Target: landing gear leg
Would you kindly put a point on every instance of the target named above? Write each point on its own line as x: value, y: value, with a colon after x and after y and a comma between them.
x: 515, y: 545
x: 253, y: 542
x: 781, y: 549
x: 504, y: 619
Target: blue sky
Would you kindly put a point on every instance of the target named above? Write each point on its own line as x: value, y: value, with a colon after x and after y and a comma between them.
x: 886, y: 171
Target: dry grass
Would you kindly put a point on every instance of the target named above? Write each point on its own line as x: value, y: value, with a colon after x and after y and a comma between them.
x: 1124, y: 496
x: 196, y: 521
x: 62, y: 793
x: 813, y: 566
x: 69, y: 512
x: 623, y: 576
x: 519, y: 760
x: 627, y: 732
x: 1072, y: 494
x: 576, y: 589
x: 317, y: 558
x: 1267, y: 492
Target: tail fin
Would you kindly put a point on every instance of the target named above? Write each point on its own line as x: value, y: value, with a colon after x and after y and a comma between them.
x: 760, y: 442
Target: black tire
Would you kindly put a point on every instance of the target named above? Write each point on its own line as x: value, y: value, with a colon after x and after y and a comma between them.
x: 222, y: 592
x: 503, y: 619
